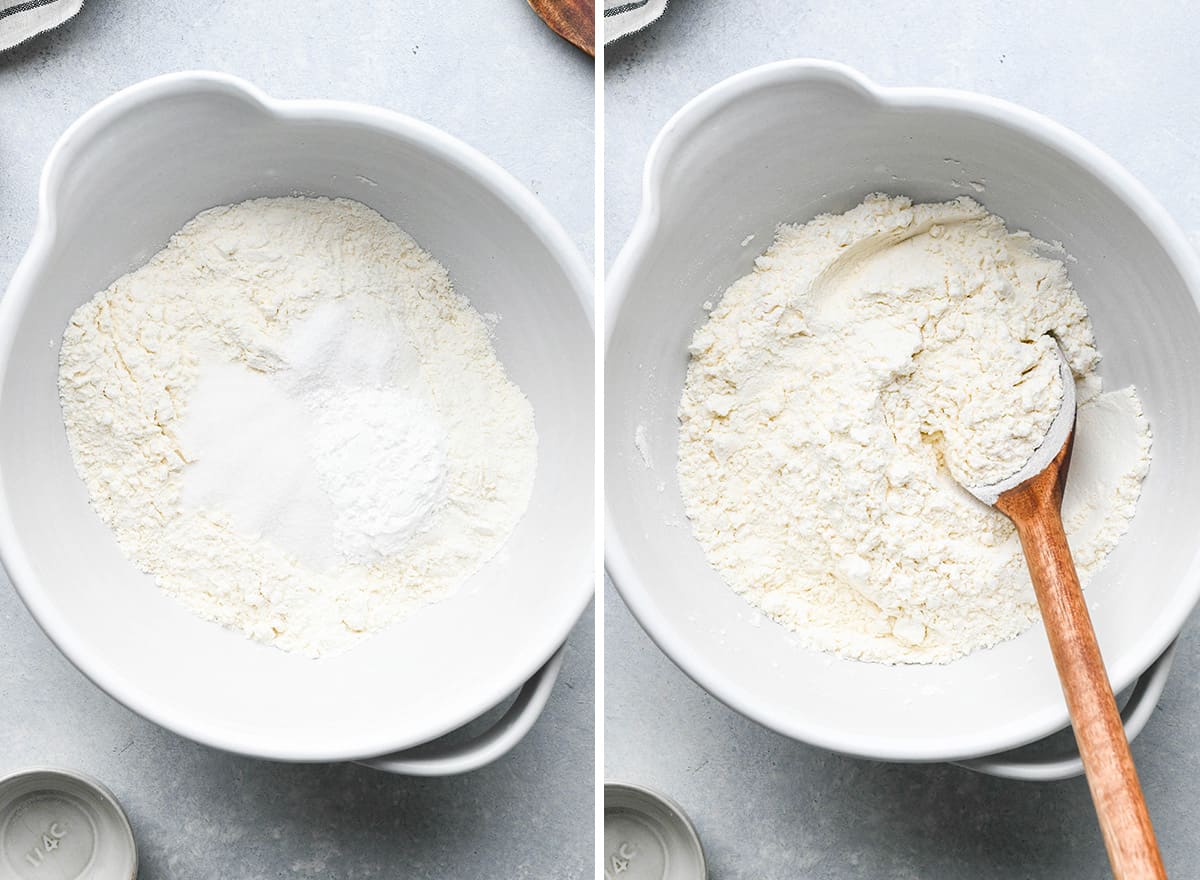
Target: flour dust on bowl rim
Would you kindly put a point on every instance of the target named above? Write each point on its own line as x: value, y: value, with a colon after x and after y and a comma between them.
x: 788, y: 141
x: 117, y: 185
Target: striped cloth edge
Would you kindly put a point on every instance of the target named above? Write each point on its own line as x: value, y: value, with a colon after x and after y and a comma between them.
x: 623, y: 17
x: 22, y: 20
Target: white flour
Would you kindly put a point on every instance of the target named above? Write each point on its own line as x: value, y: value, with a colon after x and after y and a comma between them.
x: 837, y: 392
x: 293, y: 422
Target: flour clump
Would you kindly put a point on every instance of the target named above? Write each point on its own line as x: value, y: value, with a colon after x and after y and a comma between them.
x: 840, y: 393
x: 295, y: 424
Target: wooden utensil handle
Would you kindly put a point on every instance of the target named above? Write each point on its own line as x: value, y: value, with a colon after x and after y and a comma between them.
x: 1120, y: 805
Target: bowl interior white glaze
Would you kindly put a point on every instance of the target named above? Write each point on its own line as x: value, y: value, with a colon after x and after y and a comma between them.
x: 782, y: 144
x: 125, y: 178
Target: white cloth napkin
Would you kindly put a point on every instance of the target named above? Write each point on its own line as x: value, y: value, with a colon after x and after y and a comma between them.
x: 22, y: 19
x: 623, y: 17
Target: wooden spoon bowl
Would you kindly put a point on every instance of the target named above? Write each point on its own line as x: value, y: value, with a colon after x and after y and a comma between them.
x: 573, y: 20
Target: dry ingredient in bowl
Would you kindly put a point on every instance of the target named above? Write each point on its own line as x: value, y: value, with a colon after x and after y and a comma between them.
x: 290, y: 418
x: 839, y: 394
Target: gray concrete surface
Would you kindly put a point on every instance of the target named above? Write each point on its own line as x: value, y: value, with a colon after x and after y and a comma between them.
x: 767, y: 807
x: 490, y: 73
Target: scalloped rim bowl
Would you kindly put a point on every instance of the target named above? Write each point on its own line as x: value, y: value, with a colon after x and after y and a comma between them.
x: 790, y: 140
x: 120, y: 181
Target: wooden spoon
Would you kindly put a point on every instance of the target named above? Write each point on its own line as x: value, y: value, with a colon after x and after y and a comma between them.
x: 1032, y: 499
x: 573, y: 20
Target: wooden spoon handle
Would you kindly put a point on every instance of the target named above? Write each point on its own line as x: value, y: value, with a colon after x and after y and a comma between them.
x: 1124, y: 820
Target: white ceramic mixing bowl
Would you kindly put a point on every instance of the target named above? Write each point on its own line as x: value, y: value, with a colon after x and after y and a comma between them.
x: 786, y: 142
x: 121, y: 180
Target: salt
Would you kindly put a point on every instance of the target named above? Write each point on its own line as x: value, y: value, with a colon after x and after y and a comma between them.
x: 337, y: 456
